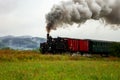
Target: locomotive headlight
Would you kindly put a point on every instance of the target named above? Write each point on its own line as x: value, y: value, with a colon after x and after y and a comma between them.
x: 49, y: 48
x: 52, y: 39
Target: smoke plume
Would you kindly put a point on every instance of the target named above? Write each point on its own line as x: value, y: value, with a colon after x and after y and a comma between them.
x: 79, y: 11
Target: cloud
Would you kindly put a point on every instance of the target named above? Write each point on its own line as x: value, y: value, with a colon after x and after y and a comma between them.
x: 7, y: 6
x: 27, y: 17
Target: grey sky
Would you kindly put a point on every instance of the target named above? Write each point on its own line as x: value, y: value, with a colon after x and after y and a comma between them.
x: 27, y: 17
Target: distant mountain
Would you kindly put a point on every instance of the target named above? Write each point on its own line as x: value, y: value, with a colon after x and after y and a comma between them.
x: 21, y: 42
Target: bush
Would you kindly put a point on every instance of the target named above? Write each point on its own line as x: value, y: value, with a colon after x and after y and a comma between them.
x: 115, y: 49
x: 6, y: 48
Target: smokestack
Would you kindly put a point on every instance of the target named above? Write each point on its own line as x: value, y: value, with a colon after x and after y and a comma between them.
x: 79, y: 11
x: 47, y: 36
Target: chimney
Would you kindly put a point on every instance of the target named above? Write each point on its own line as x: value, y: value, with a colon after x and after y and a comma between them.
x: 47, y: 36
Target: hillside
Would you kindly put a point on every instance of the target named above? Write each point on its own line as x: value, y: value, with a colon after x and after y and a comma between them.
x: 21, y: 42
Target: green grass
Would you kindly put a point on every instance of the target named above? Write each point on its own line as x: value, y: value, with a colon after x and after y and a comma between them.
x: 28, y: 65
x: 60, y: 70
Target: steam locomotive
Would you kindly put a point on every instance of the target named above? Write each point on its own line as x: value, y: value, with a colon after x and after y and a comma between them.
x: 60, y: 45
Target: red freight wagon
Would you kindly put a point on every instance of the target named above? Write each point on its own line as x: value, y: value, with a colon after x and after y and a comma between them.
x: 73, y: 45
x: 83, y: 45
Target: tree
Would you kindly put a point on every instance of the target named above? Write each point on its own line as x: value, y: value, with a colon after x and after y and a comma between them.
x: 115, y: 49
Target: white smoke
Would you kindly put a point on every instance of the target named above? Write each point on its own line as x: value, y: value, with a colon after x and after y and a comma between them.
x: 79, y: 11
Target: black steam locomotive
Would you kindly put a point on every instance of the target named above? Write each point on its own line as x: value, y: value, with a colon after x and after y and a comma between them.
x: 60, y: 45
x: 54, y: 45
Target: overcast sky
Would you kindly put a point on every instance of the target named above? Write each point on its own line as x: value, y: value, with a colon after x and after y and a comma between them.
x: 27, y: 17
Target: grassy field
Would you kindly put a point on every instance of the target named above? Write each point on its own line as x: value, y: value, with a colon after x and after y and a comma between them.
x: 30, y: 65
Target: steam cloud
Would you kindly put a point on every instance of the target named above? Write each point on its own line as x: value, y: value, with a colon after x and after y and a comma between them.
x: 79, y: 11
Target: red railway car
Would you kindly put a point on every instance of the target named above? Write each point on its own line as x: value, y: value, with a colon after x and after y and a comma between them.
x: 78, y: 45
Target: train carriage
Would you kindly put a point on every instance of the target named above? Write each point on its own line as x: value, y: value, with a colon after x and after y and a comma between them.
x: 100, y: 47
